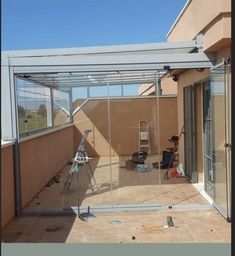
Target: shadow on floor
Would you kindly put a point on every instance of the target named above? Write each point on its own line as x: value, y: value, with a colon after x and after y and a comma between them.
x: 38, y: 229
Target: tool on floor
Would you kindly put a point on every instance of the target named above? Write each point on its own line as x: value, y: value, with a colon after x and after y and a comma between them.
x: 175, y: 140
x: 144, y: 139
x: 169, y: 221
x: 81, y: 159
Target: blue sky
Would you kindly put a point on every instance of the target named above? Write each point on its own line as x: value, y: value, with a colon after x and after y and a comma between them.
x: 37, y: 24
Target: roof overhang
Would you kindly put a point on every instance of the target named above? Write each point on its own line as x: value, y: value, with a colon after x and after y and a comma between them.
x: 119, y: 60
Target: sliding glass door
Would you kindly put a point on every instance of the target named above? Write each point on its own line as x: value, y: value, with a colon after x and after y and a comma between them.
x: 216, y: 137
x: 221, y: 145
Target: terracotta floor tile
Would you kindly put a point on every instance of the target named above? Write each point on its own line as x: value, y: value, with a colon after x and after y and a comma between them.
x: 137, y: 227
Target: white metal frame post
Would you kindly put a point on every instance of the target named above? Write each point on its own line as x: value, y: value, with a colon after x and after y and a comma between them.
x: 16, y: 157
x: 157, y: 91
x: 110, y: 140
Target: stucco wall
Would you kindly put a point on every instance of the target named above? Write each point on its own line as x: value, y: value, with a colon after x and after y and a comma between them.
x: 124, y: 120
x: 168, y: 86
x: 41, y: 158
x: 7, y: 185
x: 210, y: 17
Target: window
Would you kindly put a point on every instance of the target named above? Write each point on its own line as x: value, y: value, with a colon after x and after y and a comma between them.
x: 98, y: 91
x: 115, y: 90
x: 131, y: 90
x: 61, y: 109
x: 79, y: 93
x: 35, y: 107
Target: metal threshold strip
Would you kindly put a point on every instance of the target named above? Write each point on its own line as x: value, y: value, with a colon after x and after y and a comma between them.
x: 117, y: 208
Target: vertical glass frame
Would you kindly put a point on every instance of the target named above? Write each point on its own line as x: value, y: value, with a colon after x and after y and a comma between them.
x: 219, y: 132
x: 208, y: 139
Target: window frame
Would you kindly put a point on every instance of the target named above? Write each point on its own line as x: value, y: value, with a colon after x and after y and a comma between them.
x: 49, y: 128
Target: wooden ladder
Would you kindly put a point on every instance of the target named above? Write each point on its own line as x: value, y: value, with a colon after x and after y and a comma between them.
x: 144, y: 140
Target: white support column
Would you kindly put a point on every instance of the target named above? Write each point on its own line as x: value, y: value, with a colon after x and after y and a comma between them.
x: 6, y: 113
x: 49, y: 108
x: 14, y: 105
x: 70, y: 104
x: 8, y: 102
x: 157, y: 92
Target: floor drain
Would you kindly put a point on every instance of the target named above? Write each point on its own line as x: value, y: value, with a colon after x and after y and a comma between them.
x: 115, y: 223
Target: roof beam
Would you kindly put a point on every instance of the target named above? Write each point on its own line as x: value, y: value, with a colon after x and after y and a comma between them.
x: 104, y: 49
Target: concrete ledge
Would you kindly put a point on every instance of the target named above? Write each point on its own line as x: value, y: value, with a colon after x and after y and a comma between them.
x: 7, y: 143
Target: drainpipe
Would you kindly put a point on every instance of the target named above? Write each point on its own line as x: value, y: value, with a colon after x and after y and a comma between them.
x: 17, y: 178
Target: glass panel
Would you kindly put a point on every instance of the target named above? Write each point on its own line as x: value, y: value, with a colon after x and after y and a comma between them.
x: 98, y: 91
x: 115, y: 90
x: 79, y: 93
x: 207, y: 135
x: 131, y: 90
x: 61, y: 108
x: 218, y: 94
x: 93, y: 185
x: 133, y: 129
x: 34, y: 107
x: 171, y: 191
x: 116, y: 133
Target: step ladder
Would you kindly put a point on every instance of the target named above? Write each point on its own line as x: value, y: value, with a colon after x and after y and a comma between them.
x: 81, y: 159
x: 144, y: 140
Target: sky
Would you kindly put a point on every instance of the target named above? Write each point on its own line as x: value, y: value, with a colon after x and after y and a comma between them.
x: 39, y: 24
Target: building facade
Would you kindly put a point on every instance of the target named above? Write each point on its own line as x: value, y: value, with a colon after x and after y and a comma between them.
x: 204, y: 100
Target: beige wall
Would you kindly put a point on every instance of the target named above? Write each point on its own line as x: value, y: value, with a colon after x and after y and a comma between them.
x: 223, y: 53
x: 125, y: 116
x: 41, y: 158
x: 210, y: 17
x: 7, y: 185
x: 146, y: 89
x: 168, y: 86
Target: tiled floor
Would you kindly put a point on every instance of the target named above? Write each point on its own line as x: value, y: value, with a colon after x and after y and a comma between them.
x: 204, y: 226
x: 116, y: 185
x: 191, y: 225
